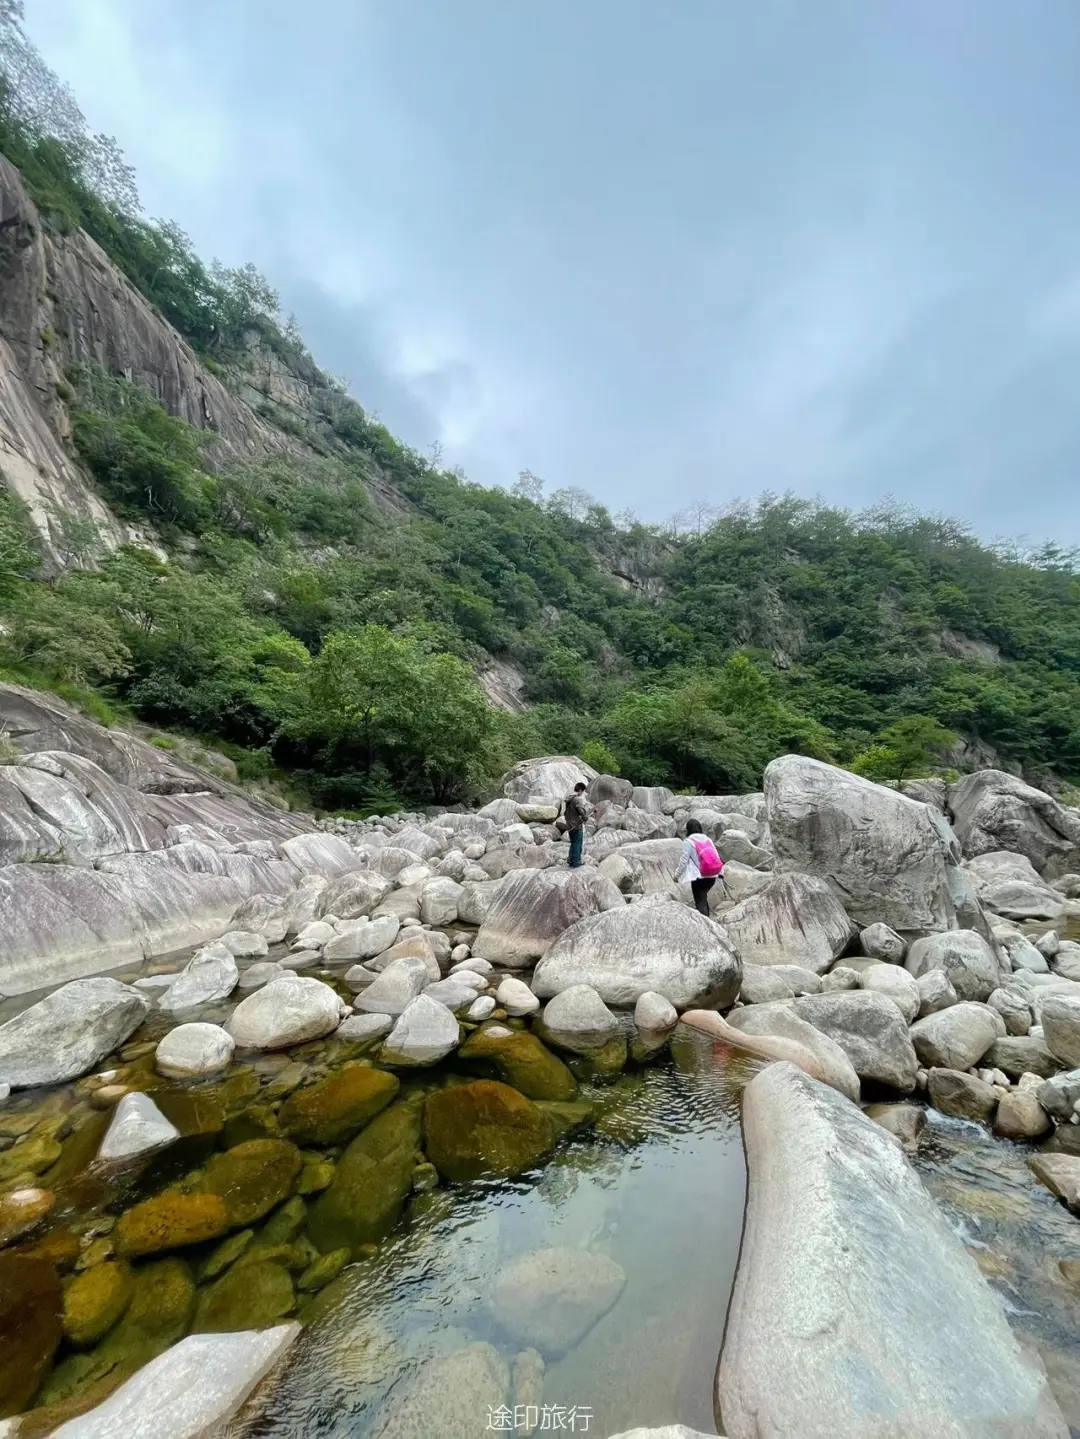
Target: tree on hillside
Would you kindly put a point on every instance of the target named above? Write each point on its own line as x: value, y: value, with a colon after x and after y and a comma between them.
x: 905, y: 750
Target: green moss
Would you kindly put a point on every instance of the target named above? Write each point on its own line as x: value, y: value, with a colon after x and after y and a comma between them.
x: 322, y: 1271
x: 253, y: 1297
x: 333, y: 1110
x: 523, y: 1062
x: 171, y: 1221
x: 602, y: 1064
x: 96, y: 1300
x: 484, y: 1128
x: 253, y: 1177
x: 567, y: 1116
x: 372, y: 1181
x: 226, y: 1253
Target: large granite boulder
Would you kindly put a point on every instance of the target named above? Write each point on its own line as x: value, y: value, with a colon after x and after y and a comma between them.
x: 965, y: 958
x: 857, y: 1311
x: 546, y: 781
x: 425, y: 1032
x: 869, y: 1029
x: 887, y: 857
x: 992, y: 810
x: 68, y: 1032
x: 958, y: 1037
x: 645, y: 867
x: 796, y: 919
x: 353, y: 895
x: 210, y: 974
x: 1061, y: 1027
x: 625, y: 952
x: 1010, y: 885
x: 532, y: 907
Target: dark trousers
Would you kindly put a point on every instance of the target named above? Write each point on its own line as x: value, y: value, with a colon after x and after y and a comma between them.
x: 700, y: 890
x: 577, y: 844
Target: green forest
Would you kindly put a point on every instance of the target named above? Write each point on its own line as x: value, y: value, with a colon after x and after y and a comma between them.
x: 320, y: 637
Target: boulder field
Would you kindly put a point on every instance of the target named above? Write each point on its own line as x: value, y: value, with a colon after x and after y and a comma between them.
x: 859, y: 948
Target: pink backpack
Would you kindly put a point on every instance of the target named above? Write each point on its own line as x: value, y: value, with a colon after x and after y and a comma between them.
x: 709, y: 862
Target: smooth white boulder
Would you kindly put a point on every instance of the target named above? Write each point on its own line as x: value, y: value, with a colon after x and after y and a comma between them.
x: 545, y: 781
x: 580, y: 1019
x: 266, y: 914
x: 209, y: 975
x: 68, y: 1032
x: 623, y: 953
x: 481, y: 1007
x: 425, y: 1032
x: 244, y: 943
x: 363, y: 1027
x: 957, y: 1037
x: 653, y: 1012
x: 362, y: 939
x: 779, y: 1021
x: 439, y: 901
x: 965, y: 957
x: 289, y: 1010
x: 857, y: 1313
x: 192, y: 1051
x: 395, y: 987
x: 896, y: 984
x: 878, y: 941
x: 515, y: 996
x: 187, y: 1392
x: 994, y: 811
x: 534, y: 906
x: 137, y: 1127
x: 869, y: 1029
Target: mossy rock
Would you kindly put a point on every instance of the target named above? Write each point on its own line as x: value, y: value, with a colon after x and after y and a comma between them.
x: 254, y: 1297
x: 171, y: 1221
x: 372, y: 1181
x: 96, y: 1300
x: 602, y: 1064
x: 258, y: 1121
x: 195, y: 1113
x: 236, y: 1090
x: 523, y: 1062
x: 323, y: 1271
x: 285, y: 1223
x: 35, y: 1154
x: 59, y: 1247
x: 336, y: 1108
x: 484, y: 1128
x: 253, y: 1178
x: 30, y: 1328
x: 316, y: 1175
x: 568, y: 1115
x: 158, y: 1315
x: 22, y: 1211
x: 226, y: 1253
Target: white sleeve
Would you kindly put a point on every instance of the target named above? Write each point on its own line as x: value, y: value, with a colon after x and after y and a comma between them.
x: 687, y: 862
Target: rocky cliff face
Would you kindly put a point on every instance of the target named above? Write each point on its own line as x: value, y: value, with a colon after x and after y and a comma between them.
x: 63, y: 302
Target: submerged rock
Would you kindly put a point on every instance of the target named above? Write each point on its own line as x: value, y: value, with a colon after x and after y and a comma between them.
x: 666, y: 949
x: 371, y: 1183
x: 68, y: 1032
x: 484, y: 1128
x: 252, y: 1178
x: 334, y: 1109
x: 253, y: 1297
x: 448, y: 1396
x: 549, y: 1299
x: 170, y: 1221
x: 96, y: 1300
x: 30, y: 1328
x: 844, y: 1255
x: 524, y: 1063
x: 187, y: 1392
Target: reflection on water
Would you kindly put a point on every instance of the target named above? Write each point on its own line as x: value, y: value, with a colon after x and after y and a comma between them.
x: 1017, y: 1233
x: 659, y: 1188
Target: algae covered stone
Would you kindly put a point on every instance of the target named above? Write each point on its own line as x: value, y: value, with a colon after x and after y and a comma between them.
x: 320, y: 1272
x: 30, y: 1328
x: 334, y: 1109
x: 253, y: 1297
x: 95, y: 1300
x: 372, y: 1181
x: 484, y: 1128
x: 253, y: 1177
x: 523, y: 1062
x: 170, y: 1221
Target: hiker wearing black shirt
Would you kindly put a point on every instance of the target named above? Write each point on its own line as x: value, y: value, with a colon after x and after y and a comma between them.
x: 575, y: 813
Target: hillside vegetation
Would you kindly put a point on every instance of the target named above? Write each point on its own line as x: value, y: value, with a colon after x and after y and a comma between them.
x: 315, y: 632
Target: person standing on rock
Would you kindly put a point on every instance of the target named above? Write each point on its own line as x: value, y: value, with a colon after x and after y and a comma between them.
x: 700, y: 864
x: 575, y: 813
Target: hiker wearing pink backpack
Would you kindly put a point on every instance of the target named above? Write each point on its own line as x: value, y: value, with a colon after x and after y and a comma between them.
x: 700, y: 864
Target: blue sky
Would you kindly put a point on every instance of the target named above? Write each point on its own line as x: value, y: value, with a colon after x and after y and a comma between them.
x: 664, y: 252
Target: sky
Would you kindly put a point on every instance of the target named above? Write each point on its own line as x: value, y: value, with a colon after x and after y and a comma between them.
x: 669, y: 252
